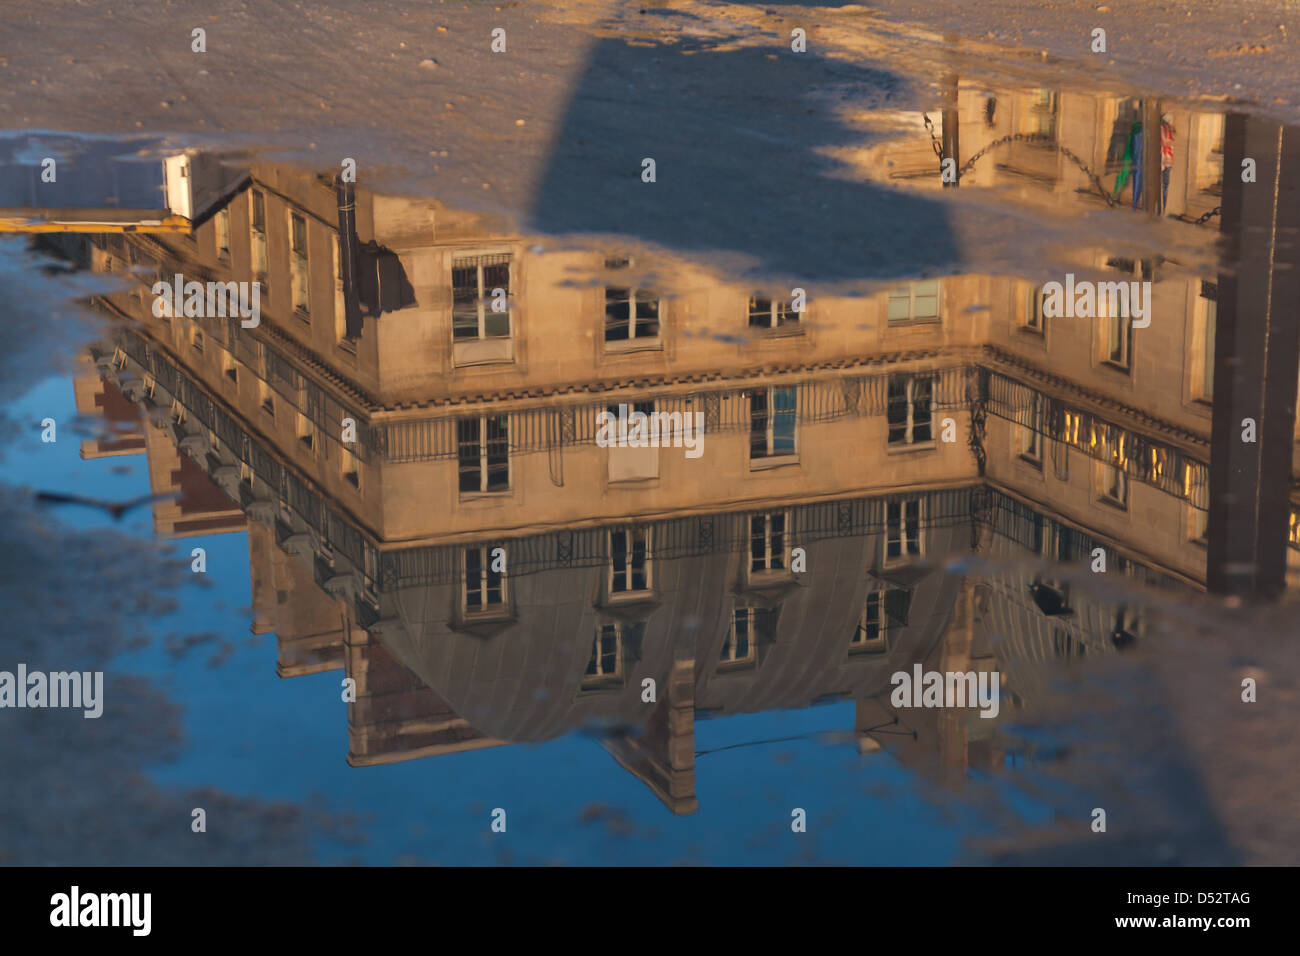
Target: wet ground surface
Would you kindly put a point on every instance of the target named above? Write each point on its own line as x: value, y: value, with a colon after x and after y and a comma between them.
x: 388, y: 590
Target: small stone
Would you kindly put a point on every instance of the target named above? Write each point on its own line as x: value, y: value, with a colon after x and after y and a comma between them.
x: 429, y: 64
x: 519, y: 122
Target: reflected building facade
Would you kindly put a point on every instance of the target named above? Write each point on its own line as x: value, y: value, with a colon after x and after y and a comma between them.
x: 412, y: 432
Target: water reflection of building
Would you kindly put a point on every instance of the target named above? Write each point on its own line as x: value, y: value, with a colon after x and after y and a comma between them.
x: 198, y: 505
x: 934, y: 418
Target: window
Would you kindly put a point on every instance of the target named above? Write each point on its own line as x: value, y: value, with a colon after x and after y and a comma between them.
x: 917, y: 302
x: 772, y: 415
x: 630, y: 314
x: 1196, y: 490
x: 306, y: 432
x: 910, y: 412
x: 258, y: 234
x: 485, y: 588
x: 1031, y: 432
x: 1119, y: 332
x: 1112, y: 477
x: 1031, y: 315
x: 767, y: 541
x: 300, y: 277
x: 197, y: 341
x: 221, y: 224
x: 483, y: 452
x: 1113, y: 486
x: 480, y: 289
x: 765, y: 313
x: 885, y: 608
x: 629, y: 571
x: 1207, y: 320
x: 1043, y: 106
x: 903, y: 528
x: 740, y: 647
x: 1117, y: 341
x: 347, y: 338
x: 605, y: 667
x: 268, y: 398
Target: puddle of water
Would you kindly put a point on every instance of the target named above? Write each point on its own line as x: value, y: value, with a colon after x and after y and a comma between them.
x: 670, y: 518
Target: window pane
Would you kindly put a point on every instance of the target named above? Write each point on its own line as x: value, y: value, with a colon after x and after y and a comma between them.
x: 777, y: 540
x: 896, y: 409
x: 921, y: 395
x: 468, y: 452
x: 473, y: 578
x: 496, y: 277
x: 783, y: 427
x: 1211, y: 322
x: 758, y: 424
x: 464, y: 309
x: 894, y: 529
x: 618, y: 555
x: 925, y: 299
x: 900, y: 306
x: 498, y: 453
x: 639, y: 577
x: 617, y: 306
x: 647, y: 314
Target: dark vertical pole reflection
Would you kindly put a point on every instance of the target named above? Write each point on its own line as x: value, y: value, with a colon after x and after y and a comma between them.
x: 349, y: 254
x: 951, y: 141
x: 1151, y: 191
x: 1257, y: 351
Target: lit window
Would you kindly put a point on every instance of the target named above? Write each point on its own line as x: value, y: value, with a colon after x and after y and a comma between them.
x: 1112, y: 477
x: 1196, y: 491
